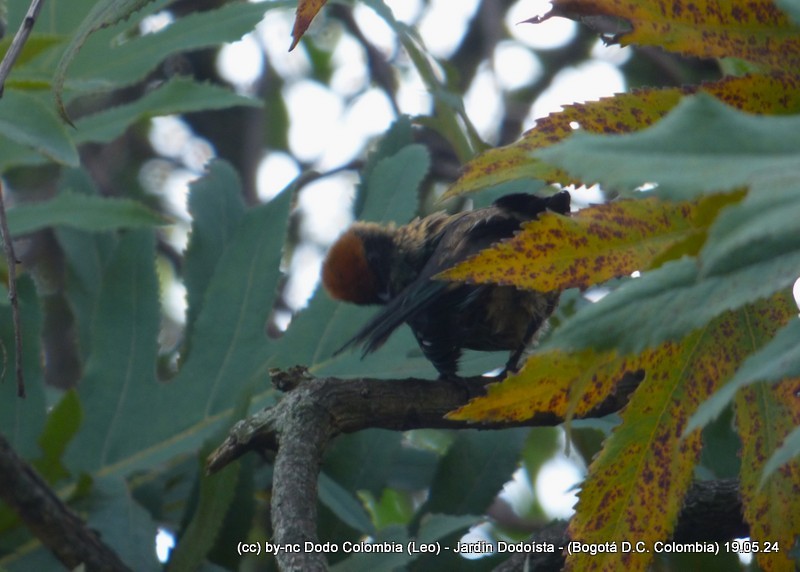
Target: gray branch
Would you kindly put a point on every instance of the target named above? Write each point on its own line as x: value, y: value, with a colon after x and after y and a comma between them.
x: 313, y: 411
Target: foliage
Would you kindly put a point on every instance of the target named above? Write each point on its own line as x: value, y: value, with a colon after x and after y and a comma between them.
x: 118, y: 420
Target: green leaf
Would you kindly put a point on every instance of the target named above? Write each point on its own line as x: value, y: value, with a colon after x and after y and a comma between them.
x: 447, y: 529
x: 241, y: 515
x: 721, y: 446
x: 86, y: 257
x: 104, y: 13
x: 22, y: 420
x: 396, y: 537
x: 668, y: 303
x: 124, y: 329
x: 791, y: 7
x: 125, y: 526
x: 83, y: 212
x: 179, y: 95
x: 37, y: 559
x: 230, y: 350
x: 762, y: 227
x: 397, y: 178
x: 100, y: 68
x: 216, y: 495
x: 26, y: 120
x: 344, y: 505
x: 13, y: 154
x: 364, y: 460
x: 62, y: 423
x: 413, y: 469
x: 35, y: 45
x: 702, y: 146
x: 276, y: 113
x: 216, y: 207
x: 437, y: 526
x: 392, y: 508
x: 393, y: 141
x: 474, y: 470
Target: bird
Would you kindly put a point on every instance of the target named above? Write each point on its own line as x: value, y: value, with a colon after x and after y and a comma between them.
x: 394, y: 267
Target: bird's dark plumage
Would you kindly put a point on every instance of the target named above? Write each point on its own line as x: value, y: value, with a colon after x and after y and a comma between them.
x: 395, y: 266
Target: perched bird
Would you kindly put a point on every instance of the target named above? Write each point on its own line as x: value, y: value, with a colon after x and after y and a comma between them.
x: 394, y: 267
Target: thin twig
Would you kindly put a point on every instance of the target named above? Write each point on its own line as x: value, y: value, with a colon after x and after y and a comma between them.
x: 19, y: 42
x: 11, y: 261
x: 8, y: 247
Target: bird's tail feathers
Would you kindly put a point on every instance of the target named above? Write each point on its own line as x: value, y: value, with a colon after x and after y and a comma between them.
x: 380, y: 327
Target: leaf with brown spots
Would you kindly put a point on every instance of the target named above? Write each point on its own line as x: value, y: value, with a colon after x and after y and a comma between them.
x: 546, y: 386
x: 777, y: 360
x: 595, y: 244
x: 776, y: 93
x: 622, y: 113
x: 703, y: 146
x: 765, y: 416
x: 306, y: 10
x: 636, y: 485
x: 753, y: 30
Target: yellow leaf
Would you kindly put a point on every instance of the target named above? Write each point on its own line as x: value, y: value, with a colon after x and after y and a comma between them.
x: 636, y: 484
x: 619, y: 114
x: 306, y: 10
x: 545, y: 385
x: 597, y: 243
x: 753, y: 30
x: 765, y: 416
x: 623, y: 113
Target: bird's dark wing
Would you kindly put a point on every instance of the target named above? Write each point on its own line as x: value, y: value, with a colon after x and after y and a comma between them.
x: 464, y: 237
x: 527, y: 207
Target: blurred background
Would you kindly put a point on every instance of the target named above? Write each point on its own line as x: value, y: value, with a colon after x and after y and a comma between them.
x: 326, y: 104
x: 328, y: 100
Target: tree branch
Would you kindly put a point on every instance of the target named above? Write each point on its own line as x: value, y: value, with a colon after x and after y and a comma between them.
x: 47, y: 517
x: 345, y: 406
x: 313, y: 411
